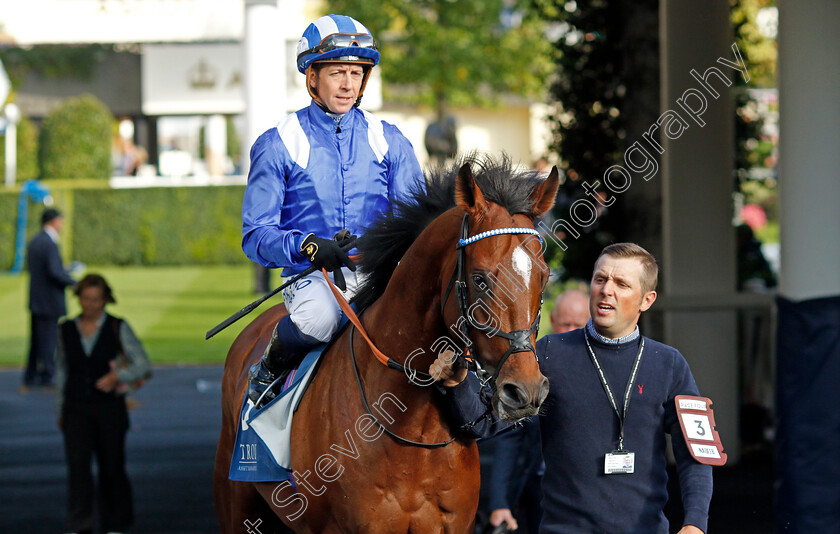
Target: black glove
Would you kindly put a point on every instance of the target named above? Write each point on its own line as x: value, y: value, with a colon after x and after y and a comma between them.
x: 328, y: 254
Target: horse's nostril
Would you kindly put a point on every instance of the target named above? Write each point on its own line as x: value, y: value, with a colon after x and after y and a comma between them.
x: 513, y: 395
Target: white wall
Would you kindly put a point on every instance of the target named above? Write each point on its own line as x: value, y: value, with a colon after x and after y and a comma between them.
x: 31, y: 22
x: 519, y: 130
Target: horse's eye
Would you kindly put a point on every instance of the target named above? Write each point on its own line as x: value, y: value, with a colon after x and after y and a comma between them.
x: 479, y: 281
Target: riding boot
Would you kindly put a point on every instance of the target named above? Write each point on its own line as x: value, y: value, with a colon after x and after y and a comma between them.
x: 264, y: 373
x: 279, y: 358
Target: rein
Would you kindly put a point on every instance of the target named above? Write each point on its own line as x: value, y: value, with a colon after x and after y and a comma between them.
x: 357, y: 324
x: 367, y: 406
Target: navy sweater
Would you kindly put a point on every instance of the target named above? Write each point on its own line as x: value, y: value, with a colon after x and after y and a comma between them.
x: 578, y: 427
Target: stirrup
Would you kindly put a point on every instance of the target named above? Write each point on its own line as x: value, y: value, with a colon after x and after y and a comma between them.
x: 261, y: 382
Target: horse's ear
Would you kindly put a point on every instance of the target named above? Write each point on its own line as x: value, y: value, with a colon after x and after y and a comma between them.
x: 467, y: 193
x: 542, y: 197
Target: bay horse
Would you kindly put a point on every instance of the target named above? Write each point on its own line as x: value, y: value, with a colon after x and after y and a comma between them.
x: 349, y: 478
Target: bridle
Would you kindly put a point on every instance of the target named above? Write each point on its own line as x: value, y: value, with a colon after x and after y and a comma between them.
x: 520, y: 340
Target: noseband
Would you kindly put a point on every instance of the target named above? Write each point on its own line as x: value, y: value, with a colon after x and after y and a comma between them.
x: 520, y: 340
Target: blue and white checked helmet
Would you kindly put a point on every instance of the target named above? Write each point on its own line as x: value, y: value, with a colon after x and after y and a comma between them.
x: 336, y: 38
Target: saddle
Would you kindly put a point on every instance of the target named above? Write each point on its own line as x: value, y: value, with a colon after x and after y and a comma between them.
x: 262, y: 450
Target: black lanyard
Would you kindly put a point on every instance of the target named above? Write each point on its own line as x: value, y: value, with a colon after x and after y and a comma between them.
x: 627, y: 392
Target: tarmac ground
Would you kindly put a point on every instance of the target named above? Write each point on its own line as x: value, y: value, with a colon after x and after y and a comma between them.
x: 172, y: 444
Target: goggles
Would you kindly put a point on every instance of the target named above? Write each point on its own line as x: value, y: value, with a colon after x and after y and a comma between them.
x: 342, y: 40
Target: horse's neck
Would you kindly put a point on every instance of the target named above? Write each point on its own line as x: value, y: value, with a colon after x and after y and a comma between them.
x: 407, y: 318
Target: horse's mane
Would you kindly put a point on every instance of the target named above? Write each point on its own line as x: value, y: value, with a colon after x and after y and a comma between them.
x: 390, y: 236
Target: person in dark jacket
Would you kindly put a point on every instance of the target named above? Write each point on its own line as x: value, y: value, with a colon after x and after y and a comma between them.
x: 516, y: 478
x: 98, y: 358
x: 609, y: 408
x: 47, y: 281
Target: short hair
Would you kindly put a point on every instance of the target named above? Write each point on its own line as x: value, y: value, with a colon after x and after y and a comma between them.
x: 95, y: 280
x: 49, y: 214
x: 650, y: 269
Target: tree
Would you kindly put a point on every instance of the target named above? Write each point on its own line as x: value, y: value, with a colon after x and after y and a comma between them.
x: 606, y: 89
x: 754, y: 149
x: 442, y: 53
x: 754, y: 42
x: 53, y: 61
x: 760, y: 53
x: 606, y: 92
x: 75, y: 140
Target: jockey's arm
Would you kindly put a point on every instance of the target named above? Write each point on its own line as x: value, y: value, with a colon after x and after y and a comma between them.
x: 263, y: 240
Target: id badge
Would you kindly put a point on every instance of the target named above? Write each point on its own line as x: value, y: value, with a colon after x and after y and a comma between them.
x: 619, y: 463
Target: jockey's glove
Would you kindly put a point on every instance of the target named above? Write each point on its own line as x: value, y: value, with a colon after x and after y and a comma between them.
x: 328, y: 254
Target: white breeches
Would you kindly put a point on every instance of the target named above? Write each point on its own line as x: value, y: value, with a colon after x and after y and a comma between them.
x: 312, y: 305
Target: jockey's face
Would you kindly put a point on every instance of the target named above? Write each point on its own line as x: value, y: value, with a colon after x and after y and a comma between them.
x: 337, y: 85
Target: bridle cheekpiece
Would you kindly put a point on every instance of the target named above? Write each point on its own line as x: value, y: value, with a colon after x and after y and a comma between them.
x: 520, y: 340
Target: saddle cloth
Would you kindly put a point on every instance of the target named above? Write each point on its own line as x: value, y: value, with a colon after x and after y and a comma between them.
x: 262, y: 450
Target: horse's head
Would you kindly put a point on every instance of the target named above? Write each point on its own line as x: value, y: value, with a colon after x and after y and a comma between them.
x: 499, y: 278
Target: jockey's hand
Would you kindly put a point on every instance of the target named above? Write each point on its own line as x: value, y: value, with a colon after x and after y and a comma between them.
x: 345, y: 241
x: 327, y: 254
x: 444, y: 369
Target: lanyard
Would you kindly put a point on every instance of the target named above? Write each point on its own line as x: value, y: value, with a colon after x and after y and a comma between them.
x: 627, y: 392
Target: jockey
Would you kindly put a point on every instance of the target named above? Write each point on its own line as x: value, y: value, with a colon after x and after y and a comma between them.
x: 323, y: 169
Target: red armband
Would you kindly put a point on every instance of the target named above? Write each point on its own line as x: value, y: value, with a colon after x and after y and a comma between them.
x: 697, y: 421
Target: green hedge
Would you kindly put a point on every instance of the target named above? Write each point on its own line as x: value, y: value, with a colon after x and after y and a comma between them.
x: 158, y: 226
x: 75, y: 140
x: 155, y: 226
x: 8, y: 225
x: 27, y: 151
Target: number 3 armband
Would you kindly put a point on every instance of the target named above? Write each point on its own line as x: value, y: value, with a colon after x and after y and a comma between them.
x: 697, y: 421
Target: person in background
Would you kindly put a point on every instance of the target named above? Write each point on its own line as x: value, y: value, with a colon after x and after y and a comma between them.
x: 98, y: 358
x: 571, y: 311
x: 516, y: 476
x: 47, y: 281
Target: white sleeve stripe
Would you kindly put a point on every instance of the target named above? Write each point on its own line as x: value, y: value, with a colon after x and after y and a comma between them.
x: 293, y: 136
x: 376, y: 136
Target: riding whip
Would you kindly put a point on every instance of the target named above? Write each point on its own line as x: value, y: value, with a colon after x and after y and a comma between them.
x: 250, y: 307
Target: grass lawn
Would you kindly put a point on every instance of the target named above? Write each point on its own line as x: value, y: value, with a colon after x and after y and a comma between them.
x: 170, y: 309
